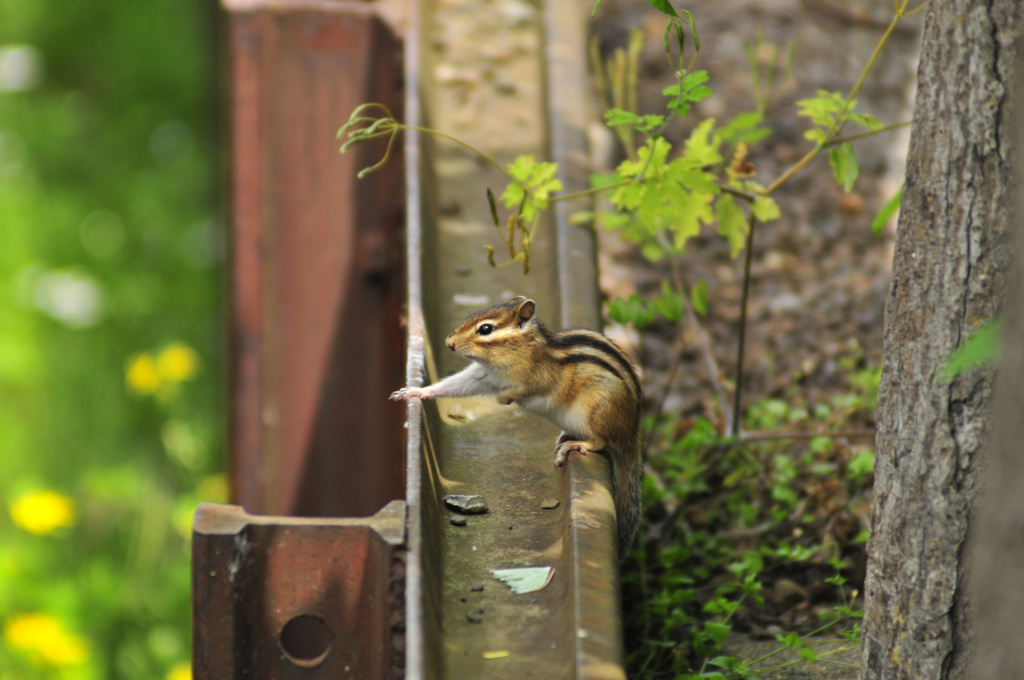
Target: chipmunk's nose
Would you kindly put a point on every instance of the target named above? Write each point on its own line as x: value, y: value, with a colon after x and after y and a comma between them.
x: 450, y: 341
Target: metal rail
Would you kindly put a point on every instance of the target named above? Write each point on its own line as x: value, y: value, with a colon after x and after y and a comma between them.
x: 461, y: 622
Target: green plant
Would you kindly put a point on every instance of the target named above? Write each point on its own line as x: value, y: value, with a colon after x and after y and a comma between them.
x: 108, y: 251
x: 733, y: 516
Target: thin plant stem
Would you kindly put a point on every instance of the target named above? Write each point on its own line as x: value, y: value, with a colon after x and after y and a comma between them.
x: 464, y: 145
x: 773, y: 436
x: 704, y: 341
x: 590, y: 192
x: 664, y: 395
x: 810, y: 155
x: 734, y: 430
x: 888, y: 128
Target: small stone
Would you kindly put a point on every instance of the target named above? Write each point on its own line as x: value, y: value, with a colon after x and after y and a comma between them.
x: 787, y: 592
x: 507, y: 87
x: 477, y: 587
x: 449, y: 208
x: 473, y: 504
x: 852, y: 203
x: 457, y: 520
x: 550, y: 503
x: 473, y: 617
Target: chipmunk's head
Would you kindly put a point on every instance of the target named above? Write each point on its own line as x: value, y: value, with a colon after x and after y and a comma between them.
x: 497, y: 328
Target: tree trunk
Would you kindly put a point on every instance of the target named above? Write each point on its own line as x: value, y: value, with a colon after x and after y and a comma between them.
x: 949, y: 274
x: 997, y: 536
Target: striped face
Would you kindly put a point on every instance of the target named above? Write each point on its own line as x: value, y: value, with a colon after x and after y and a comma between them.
x: 499, y: 325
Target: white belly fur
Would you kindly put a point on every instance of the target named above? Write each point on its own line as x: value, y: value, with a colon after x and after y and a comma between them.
x: 572, y: 420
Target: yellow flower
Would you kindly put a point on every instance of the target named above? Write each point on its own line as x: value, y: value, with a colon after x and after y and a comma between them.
x: 142, y: 374
x: 214, y: 489
x: 177, y: 362
x: 183, y: 671
x: 43, y: 512
x: 45, y: 640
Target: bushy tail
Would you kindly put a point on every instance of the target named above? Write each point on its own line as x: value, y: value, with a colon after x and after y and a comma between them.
x: 629, y: 477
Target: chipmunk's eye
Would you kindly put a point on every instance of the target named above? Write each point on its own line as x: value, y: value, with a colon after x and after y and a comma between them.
x: 485, y: 329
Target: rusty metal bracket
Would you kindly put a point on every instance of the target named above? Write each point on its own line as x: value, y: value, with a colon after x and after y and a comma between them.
x: 283, y: 597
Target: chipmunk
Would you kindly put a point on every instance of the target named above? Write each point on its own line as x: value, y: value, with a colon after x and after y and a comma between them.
x: 578, y: 379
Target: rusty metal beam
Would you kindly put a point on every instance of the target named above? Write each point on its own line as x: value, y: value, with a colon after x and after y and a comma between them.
x: 315, y: 351
x: 282, y: 597
x: 317, y: 266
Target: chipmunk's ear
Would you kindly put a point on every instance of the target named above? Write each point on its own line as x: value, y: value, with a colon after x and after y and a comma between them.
x: 525, y: 309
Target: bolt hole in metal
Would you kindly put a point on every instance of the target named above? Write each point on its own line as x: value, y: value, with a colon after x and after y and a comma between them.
x: 305, y: 641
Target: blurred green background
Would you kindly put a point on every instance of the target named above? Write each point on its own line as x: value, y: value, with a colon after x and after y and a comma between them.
x: 112, y: 421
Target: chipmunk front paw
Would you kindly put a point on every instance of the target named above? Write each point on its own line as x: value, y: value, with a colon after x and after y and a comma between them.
x: 407, y: 393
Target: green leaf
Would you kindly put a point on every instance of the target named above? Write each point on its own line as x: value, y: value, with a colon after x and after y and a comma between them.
x: 717, y: 632
x: 652, y: 251
x: 616, y: 117
x: 618, y: 311
x: 634, y: 310
x: 594, y: 10
x: 864, y: 119
x: 822, y: 109
x: 744, y: 128
x: 720, y: 605
x: 791, y: 640
x: 614, y: 220
x: 739, y: 668
x: 821, y: 444
x: 887, y: 211
x: 536, y: 178
x: 861, y: 465
x: 669, y: 304
x: 665, y: 7
x: 701, y: 146
x: 980, y: 349
x: 836, y: 580
x: 685, y: 171
x: 512, y: 195
x: 650, y: 122
x: 690, y: 209
x: 620, y: 117
x: 656, y: 149
x: 808, y: 654
x: 765, y: 209
x: 690, y: 91
x: 844, y: 165
x: 817, y: 135
x: 583, y: 217
x: 732, y: 223
x: 699, y: 297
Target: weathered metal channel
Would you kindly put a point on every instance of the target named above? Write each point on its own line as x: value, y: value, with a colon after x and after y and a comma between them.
x: 282, y: 597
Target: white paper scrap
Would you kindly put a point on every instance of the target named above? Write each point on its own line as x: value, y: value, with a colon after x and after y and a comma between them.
x: 525, y: 579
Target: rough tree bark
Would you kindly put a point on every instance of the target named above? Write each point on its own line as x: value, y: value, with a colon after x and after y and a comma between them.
x: 949, y: 273
x: 997, y: 535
